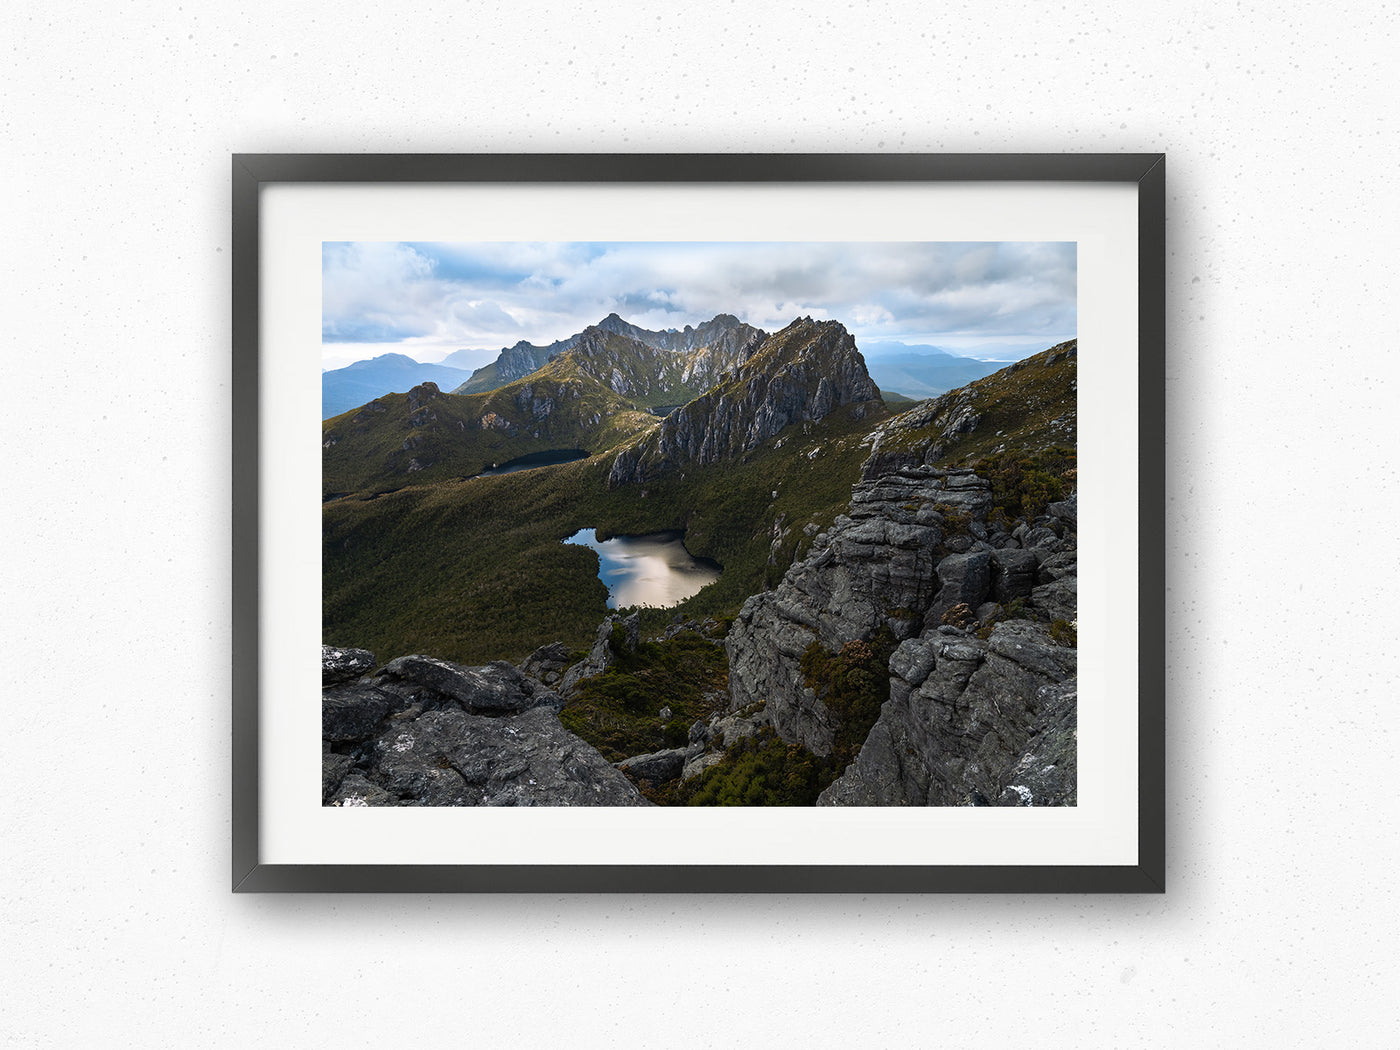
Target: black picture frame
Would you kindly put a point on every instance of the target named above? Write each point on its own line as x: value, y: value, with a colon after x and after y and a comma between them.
x: 252, y: 172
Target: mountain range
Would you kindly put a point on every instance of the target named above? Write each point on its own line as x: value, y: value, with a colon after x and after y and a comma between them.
x: 914, y: 371
x: 608, y: 385
x: 920, y: 371
x: 345, y: 388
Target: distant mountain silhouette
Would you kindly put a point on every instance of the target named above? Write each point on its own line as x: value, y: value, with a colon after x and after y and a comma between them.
x: 350, y: 387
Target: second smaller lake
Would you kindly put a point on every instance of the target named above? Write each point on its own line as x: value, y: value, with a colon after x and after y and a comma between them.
x: 535, y: 459
x: 654, y: 569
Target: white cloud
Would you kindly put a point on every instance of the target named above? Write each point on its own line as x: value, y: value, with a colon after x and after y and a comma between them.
x: 448, y: 296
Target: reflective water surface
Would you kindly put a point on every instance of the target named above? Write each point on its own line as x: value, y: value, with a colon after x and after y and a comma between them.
x: 654, y: 569
x: 535, y: 459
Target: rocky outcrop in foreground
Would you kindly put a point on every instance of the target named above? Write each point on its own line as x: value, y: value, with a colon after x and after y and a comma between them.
x: 970, y: 722
x: 981, y: 707
x: 883, y: 565
x: 426, y: 732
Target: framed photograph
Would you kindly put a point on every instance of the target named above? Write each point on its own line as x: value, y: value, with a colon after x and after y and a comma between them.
x: 698, y: 523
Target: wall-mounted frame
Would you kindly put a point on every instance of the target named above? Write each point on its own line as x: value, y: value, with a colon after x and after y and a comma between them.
x: 287, y: 207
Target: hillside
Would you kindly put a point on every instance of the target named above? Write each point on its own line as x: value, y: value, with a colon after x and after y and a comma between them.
x: 751, y: 471
x: 345, y: 388
x: 476, y: 570
x: 425, y: 435
x: 890, y: 628
x: 1027, y: 407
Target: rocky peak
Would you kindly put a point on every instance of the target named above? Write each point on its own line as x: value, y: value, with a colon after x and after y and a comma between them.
x: 720, y: 341
x: 801, y: 373
x: 423, y: 393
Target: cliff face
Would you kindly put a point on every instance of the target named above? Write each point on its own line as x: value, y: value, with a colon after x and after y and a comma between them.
x: 982, y: 681
x: 723, y: 336
x: 800, y: 373
x: 652, y: 376
x: 974, y: 698
x: 876, y: 567
x: 971, y: 722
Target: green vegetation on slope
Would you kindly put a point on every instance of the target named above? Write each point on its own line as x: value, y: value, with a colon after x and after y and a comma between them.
x: 474, y: 570
x: 853, y: 683
x: 425, y: 435
x: 1026, y: 407
x: 759, y: 770
x: 1023, y: 483
x: 618, y: 711
x: 762, y: 770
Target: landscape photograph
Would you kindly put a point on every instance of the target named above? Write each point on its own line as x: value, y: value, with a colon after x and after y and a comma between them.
x: 699, y: 524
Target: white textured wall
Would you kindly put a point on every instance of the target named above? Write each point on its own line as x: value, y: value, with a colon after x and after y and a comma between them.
x: 1280, y: 927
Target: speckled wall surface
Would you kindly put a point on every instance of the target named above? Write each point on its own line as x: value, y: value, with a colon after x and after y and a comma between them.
x: 1280, y: 925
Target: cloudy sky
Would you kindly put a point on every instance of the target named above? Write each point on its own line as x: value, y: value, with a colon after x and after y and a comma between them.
x: 998, y: 301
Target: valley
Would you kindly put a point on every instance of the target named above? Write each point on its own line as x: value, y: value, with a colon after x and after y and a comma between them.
x: 882, y: 565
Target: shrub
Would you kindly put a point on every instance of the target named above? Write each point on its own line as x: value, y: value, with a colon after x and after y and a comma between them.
x: 1064, y: 632
x: 760, y: 770
x: 616, y: 711
x: 954, y: 520
x: 1015, y: 609
x: 960, y: 616
x: 853, y: 684
x: 1022, y: 485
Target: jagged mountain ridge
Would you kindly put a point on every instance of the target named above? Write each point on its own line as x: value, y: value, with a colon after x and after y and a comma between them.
x: 800, y: 373
x: 653, y: 377
x: 981, y: 702
x: 735, y: 387
x: 722, y: 336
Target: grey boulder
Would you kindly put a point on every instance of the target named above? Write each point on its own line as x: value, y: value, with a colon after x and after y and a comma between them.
x: 1013, y: 574
x: 658, y: 766
x: 452, y: 758
x: 497, y: 688
x: 964, y: 579
x: 547, y: 663
x: 344, y: 665
x: 351, y: 712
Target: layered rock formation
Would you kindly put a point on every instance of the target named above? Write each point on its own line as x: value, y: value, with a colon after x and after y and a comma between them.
x: 981, y: 707
x: 883, y: 565
x: 426, y: 732
x: 970, y: 722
